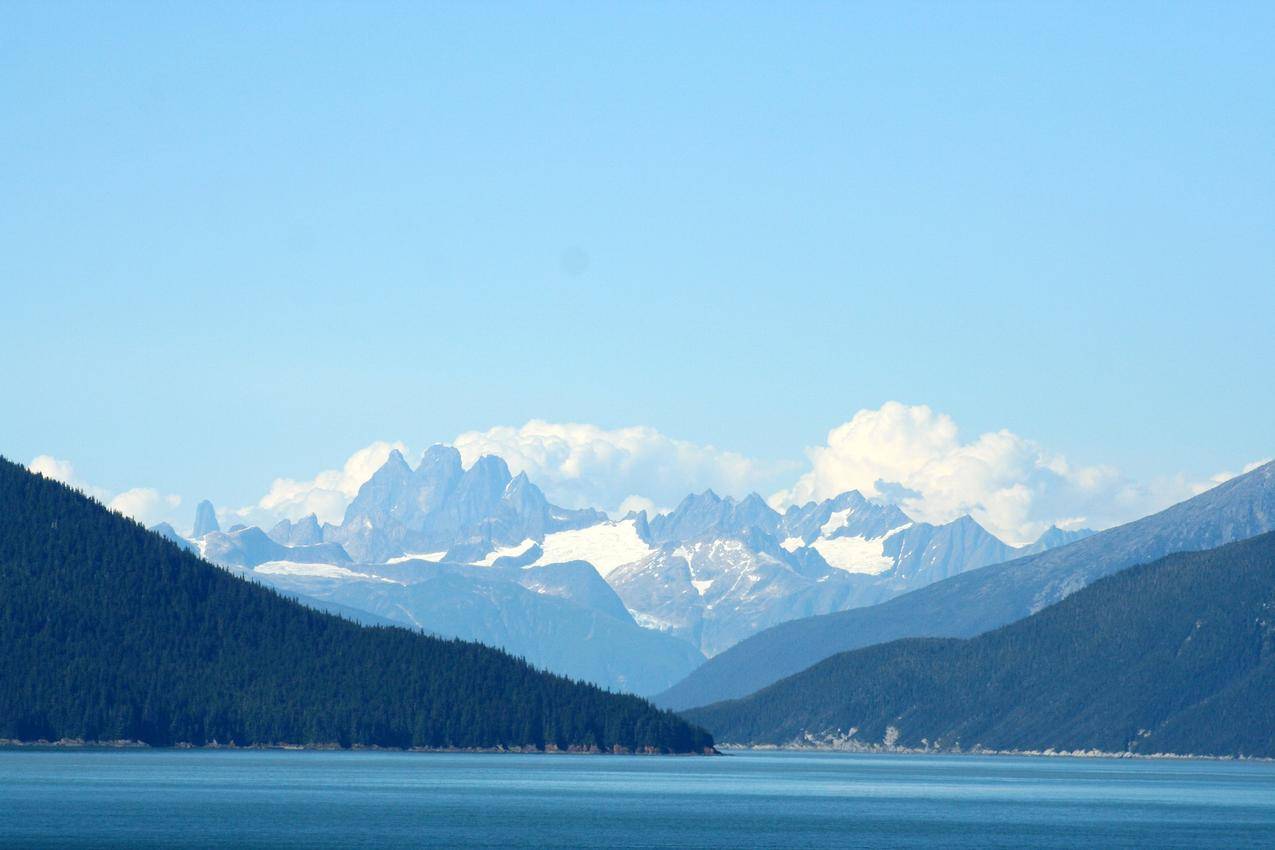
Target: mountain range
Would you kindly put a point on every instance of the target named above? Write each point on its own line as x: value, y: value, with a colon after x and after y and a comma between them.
x: 978, y: 600
x: 849, y: 623
x: 1175, y: 656
x: 420, y: 547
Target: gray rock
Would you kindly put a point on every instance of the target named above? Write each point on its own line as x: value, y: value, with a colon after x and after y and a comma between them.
x: 205, y: 519
x: 249, y: 547
x: 303, y: 532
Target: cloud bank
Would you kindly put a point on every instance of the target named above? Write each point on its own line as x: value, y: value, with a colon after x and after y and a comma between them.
x: 144, y: 504
x: 580, y: 465
x: 915, y: 457
x: 326, y: 495
x: 909, y: 455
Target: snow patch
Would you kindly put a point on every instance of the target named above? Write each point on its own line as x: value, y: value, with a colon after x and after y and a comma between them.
x: 606, y: 546
x: 418, y: 556
x: 895, y: 531
x: 839, y: 519
x: 506, y: 552
x: 854, y: 554
x: 297, y: 568
x: 649, y: 621
x: 792, y: 544
x: 701, y: 587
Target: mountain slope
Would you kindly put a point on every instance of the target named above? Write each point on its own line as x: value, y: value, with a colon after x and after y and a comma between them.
x: 982, y: 599
x: 1177, y: 656
x: 562, y: 617
x: 111, y: 632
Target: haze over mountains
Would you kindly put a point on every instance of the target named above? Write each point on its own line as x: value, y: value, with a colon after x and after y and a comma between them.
x: 636, y: 603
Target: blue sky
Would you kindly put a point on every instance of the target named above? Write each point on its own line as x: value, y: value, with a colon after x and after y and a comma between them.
x: 241, y: 241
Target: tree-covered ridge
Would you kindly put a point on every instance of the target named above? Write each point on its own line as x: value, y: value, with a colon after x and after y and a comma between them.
x: 1176, y: 656
x: 110, y: 632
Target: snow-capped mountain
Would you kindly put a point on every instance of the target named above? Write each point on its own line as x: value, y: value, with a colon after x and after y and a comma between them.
x: 481, y: 554
x: 725, y: 569
x: 976, y: 601
x: 440, y: 506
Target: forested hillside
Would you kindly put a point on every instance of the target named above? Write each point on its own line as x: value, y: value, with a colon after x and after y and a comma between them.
x: 1177, y: 656
x: 110, y: 632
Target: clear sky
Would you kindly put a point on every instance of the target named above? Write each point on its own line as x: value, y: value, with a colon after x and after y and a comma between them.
x: 240, y: 241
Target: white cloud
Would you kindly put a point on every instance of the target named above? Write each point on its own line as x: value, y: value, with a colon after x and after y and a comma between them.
x: 1224, y: 476
x: 903, y: 453
x: 1011, y: 485
x: 144, y: 504
x: 576, y: 465
x: 639, y: 503
x: 58, y: 470
x: 326, y: 495
x: 579, y: 465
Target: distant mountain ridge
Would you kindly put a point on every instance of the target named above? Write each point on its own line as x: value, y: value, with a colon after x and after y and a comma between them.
x: 706, y: 575
x: 978, y: 600
x: 440, y: 506
x: 722, y: 570
x: 1177, y: 656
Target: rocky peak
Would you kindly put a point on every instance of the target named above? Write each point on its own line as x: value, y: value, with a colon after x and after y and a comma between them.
x: 205, y: 519
x: 439, y: 461
x: 303, y: 532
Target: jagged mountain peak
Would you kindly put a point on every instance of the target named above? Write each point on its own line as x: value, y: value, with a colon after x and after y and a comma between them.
x: 395, y: 467
x: 1053, y: 537
x: 442, y: 505
x: 708, y: 514
x: 304, y: 532
x: 205, y: 519
x: 439, y: 455
x: 848, y: 499
x: 492, y: 466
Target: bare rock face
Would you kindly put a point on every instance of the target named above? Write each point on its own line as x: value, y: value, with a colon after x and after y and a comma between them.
x: 205, y: 519
x: 441, y: 505
x: 303, y: 532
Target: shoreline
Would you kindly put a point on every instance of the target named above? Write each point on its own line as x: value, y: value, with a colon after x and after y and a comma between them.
x: 552, y: 750
x: 726, y: 749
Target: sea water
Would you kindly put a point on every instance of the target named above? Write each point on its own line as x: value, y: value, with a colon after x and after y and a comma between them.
x: 254, y: 798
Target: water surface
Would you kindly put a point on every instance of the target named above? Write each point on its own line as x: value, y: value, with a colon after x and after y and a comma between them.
x: 210, y: 798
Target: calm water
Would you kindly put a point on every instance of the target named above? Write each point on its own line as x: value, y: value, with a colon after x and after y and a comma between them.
x: 121, y: 798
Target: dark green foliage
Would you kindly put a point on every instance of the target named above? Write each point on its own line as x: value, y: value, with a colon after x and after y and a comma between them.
x: 110, y: 632
x: 1175, y: 656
